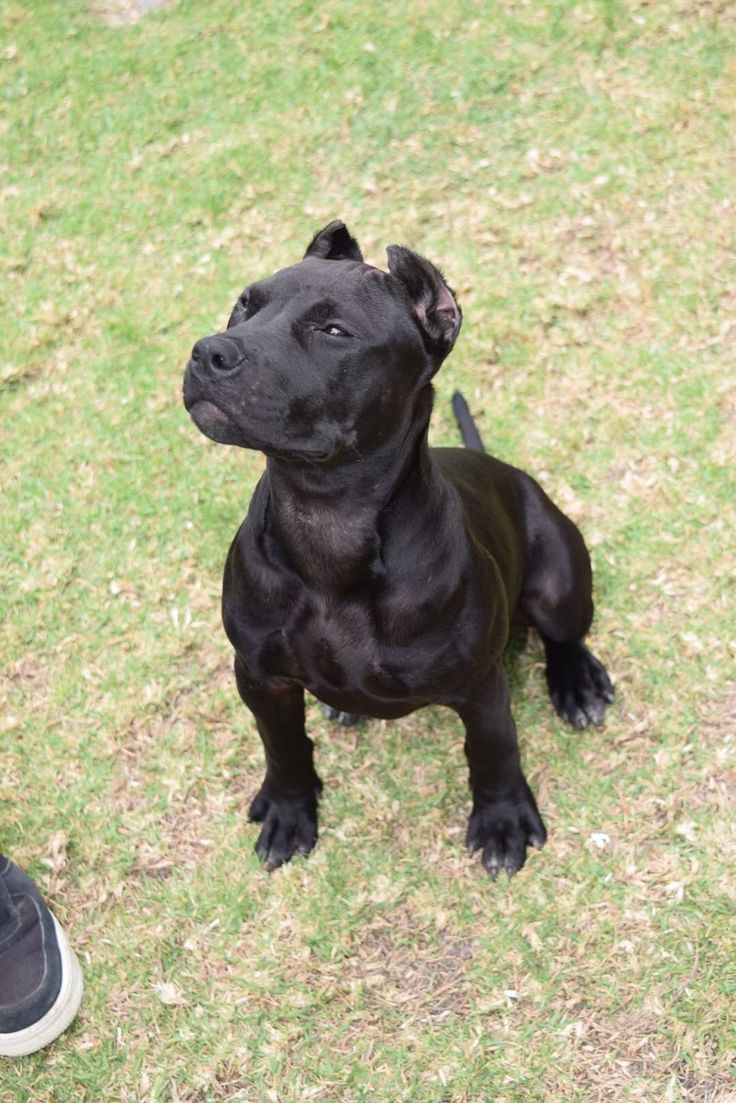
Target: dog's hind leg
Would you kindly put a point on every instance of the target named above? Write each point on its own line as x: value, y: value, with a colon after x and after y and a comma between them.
x: 557, y: 600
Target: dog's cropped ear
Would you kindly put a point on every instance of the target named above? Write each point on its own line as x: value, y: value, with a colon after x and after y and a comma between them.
x: 433, y: 299
x: 334, y: 243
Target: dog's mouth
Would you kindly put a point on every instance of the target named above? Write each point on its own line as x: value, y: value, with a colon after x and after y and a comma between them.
x: 303, y: 455
x: 219, y: 426
x: 216, y: 425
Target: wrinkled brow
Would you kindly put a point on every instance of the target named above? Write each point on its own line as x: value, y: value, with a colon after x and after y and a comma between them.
x: 322, y: 311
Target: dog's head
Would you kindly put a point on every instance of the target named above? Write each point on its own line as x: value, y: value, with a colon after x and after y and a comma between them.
x: 324, y: 358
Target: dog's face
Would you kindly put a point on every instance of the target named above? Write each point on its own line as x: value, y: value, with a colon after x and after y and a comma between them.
x: 325, y: 358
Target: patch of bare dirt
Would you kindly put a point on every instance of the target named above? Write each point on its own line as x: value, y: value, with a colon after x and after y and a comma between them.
x: 419, y: 973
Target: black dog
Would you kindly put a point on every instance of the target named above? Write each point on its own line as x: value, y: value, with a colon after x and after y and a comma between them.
x: 378, y: 573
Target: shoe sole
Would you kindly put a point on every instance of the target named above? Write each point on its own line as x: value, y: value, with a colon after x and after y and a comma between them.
x: 59, y: 1015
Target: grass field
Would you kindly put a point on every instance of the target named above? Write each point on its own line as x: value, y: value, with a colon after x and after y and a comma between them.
x: 571, y: 167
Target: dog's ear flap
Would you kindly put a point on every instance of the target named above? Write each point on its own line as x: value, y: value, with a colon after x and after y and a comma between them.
x: 433, y: 299
x: 334, y: 243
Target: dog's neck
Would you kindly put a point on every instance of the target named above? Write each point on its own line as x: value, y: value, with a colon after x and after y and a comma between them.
x: 328, y: 520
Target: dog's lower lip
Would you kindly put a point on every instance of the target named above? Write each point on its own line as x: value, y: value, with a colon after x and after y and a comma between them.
x: 203, y: 404
x: 202, y: 409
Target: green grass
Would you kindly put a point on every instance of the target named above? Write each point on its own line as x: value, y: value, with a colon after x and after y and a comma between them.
x: 570, y: 166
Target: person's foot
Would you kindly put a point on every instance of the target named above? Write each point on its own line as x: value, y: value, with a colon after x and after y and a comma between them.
x: 40, y: 978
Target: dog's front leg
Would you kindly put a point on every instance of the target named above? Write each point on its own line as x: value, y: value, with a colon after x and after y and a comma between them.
x: 504, y: 819
x: 286, y: 803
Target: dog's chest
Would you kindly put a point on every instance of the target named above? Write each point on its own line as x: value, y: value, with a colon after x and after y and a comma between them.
x: 340, y: 653
x: 333, y: 644
x: 379, y: 645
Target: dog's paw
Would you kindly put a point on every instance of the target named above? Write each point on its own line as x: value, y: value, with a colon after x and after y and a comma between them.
x: 289, y: 826
x: 503, y: 829
x: 578, y: 684
x: 347, y: 719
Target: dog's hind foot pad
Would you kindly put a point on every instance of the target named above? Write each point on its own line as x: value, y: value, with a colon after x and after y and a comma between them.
x: 347, y: 719
x: 578, y: 683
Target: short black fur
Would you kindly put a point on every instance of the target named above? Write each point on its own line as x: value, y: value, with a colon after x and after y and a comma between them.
x: 378, y: 573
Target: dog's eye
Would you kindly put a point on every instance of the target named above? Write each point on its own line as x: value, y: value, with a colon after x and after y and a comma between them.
x: 243, y: 309
x: 333, y: 330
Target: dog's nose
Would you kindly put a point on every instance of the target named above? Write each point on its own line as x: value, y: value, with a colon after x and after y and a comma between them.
x: 217, y: 354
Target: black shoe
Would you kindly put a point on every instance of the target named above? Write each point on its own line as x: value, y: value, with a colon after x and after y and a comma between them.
x: 40, y: 978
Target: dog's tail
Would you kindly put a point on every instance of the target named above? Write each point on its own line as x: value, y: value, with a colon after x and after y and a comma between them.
x: 468, y: 430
